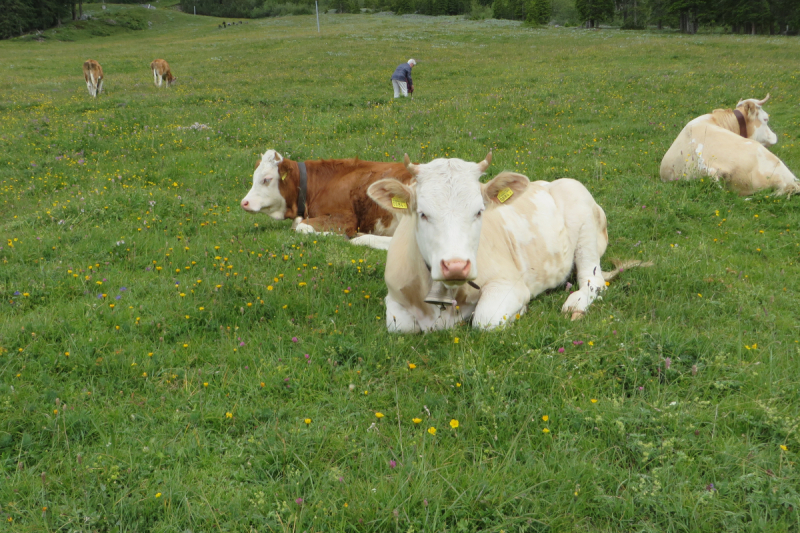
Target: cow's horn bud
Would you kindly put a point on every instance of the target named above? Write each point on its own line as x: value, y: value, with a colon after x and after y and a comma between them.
x: 412, y: 168
x: 483, y: 165
x: 761, y: 102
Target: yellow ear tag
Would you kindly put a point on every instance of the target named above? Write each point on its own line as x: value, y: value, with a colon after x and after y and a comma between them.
x: 504, y: 195
x: 399, y: 203
x: 283, y: 178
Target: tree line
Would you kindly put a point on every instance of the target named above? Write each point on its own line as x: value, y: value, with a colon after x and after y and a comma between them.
x: 739, y: 16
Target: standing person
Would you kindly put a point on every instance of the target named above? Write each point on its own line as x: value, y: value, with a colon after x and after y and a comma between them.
x: 401, y: 79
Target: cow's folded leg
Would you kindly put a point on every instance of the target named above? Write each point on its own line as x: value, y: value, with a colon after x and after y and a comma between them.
x: 373, y: 241
x: 501, y: 302
x: 338, y: 224
x: 399, y: 319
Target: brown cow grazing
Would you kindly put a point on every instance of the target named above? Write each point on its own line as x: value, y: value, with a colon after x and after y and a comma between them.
x: 325, y: 195
x: 161, y: 73
x: 93, y: 74
x: 730, y: 145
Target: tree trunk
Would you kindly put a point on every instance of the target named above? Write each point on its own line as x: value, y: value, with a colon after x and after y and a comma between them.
x: 72, y: 4
x: 80, y: 6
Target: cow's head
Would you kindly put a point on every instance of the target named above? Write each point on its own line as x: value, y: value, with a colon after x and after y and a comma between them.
x: 265, y: 195
x: 759, y: 119
x: 446, y: 203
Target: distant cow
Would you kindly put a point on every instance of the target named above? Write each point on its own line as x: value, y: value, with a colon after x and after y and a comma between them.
x: 324, y: 195
x: 161, y: 73
x: 730, y: 145
x: 93, y: 74
x: 493, y: 246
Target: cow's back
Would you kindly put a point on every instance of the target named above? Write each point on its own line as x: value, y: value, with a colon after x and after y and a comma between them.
x: 347, y: 190
x: 530, y: 238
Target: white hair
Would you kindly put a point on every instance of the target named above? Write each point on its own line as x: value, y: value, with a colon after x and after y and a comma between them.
x: 412, y: 62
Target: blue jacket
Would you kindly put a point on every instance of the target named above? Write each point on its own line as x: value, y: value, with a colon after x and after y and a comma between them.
x: 403, y: 73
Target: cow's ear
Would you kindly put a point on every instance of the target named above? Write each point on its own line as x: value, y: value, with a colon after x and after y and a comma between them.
x: 505, y: 188
x: 278, y: 158
x: 750, y: 109
x: 258, y: 163
x: 394, y: 196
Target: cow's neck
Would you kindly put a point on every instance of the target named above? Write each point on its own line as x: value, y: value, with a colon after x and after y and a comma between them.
x: 727, y: 119
x: 289, y: 187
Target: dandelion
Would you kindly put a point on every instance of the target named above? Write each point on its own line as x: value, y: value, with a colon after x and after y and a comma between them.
x: 416, y: 420
x: 545, y: 431
x: 455, y: 341
x: 229, y: 415
x: 593, y: 400
x: 432, y: 430
x: 379, y: 415
x: 158, y: 494
x: 454, y: 423
x: 205, y: 384
x: 307, y: 421
x: 411, y: 366
x: 784, y: 448
x: 545, y: 418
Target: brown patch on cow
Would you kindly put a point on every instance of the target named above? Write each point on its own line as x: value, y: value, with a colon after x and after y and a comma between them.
x: 258, y: 163
x: 336, y: 197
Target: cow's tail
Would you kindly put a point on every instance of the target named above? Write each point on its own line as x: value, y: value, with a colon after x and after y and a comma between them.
x: 620, y: 266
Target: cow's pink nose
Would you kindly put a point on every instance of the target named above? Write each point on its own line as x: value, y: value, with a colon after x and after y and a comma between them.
x: 455, y: 269
x: 245, y: 204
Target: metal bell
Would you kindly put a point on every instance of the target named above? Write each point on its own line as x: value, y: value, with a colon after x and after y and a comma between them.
x: 440, y: 295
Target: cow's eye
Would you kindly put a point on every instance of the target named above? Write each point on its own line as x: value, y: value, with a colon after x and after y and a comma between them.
x: 479, y: 214
x: 423, y: 216
x: 266, y: 181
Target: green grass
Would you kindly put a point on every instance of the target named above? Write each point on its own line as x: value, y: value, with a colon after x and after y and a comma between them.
x: 130, y: 431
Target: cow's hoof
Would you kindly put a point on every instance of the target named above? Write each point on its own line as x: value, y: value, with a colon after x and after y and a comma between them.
x: 577, y: 315
x: 304, y: 228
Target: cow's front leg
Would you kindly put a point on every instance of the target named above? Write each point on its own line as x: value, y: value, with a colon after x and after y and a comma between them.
x: 399, y: 319
x: 340, y: 224
x: 377, y: 242
x: 500, y: 302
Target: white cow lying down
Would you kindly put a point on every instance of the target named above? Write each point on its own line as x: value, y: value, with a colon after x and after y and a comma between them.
x: 730, y: 147
x: 512, y: 238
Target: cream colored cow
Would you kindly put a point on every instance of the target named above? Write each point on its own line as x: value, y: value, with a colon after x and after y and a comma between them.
x: 161, y: 73
x: 93, y: 74
x: 729, y: 145
x: 493, y: 246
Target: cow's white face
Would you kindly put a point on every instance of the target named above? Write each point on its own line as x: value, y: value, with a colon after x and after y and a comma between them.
x: 760, y: 120
x: 447, y: 204
x: 448, y: 215
x: 265, y: 195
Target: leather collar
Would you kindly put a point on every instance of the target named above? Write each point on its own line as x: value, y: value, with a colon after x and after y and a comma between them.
x: 303, y: 190
x: 742, y: 123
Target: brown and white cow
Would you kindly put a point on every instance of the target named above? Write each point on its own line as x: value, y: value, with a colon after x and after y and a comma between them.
x: 493, y: 246
x: 729, y: 145
x: 333, y: 199
x: 93, y: 74
x: 161, y: 73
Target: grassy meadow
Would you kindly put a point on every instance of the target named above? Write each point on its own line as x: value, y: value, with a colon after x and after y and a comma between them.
x: 171, y: 363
